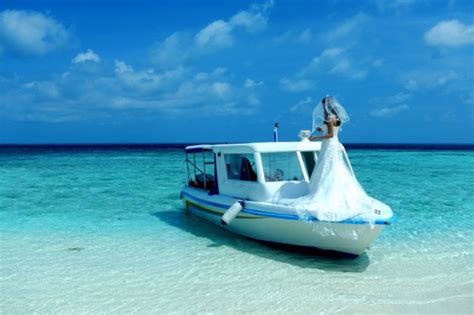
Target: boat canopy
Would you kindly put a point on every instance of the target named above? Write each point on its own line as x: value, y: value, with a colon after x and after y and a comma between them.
x: 198, y: 148
x: 261, y: 147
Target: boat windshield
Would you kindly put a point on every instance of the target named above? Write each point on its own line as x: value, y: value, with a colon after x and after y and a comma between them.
x: 281, y: 166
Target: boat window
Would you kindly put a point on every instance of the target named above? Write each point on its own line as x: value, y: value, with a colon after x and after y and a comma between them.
x: 309, y: 161
x: 241, y: 167
x: 282, y: 166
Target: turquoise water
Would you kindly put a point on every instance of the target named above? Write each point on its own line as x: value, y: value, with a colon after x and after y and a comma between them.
x: 94, y: 231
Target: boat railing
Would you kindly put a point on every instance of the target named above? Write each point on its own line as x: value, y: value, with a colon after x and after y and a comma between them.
x: 197, y: 169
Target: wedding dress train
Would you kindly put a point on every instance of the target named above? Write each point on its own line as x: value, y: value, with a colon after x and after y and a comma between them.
x: 335, y: 194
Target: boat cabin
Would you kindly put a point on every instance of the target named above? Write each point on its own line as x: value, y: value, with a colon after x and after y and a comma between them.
x: 252, y: 171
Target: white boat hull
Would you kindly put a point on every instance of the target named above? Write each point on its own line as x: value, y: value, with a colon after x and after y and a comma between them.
x: 274, y: 223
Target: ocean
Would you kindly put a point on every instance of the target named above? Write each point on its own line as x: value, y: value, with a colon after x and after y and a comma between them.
x: 101, y: 229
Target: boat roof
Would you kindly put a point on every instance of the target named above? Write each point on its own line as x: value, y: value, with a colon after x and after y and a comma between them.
x: 263, y: 147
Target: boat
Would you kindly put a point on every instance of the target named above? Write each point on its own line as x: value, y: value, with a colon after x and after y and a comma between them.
x: 233, y: 186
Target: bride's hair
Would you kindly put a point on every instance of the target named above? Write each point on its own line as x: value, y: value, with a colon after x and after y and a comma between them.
x: 329, y: 107
x: 332, y: 111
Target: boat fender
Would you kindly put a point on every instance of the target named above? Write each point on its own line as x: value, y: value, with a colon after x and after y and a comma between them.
x: 232, y: 212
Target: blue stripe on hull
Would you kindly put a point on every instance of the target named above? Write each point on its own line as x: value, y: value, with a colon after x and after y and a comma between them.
x: 282, y: 215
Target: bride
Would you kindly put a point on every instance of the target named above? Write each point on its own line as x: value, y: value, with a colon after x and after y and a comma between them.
x: 334, y: 192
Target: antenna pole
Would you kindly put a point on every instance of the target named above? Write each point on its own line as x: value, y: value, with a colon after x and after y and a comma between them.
x: 275, y: 132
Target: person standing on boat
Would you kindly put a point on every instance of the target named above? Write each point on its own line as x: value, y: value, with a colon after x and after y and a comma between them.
x: 334, y: 192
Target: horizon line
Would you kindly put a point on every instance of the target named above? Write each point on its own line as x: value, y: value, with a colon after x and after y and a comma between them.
x: 198, y: 143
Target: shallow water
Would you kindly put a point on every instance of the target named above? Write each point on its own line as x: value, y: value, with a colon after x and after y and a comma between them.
x: 101, y: 230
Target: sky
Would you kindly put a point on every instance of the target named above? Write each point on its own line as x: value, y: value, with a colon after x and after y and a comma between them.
x: 225, y: 71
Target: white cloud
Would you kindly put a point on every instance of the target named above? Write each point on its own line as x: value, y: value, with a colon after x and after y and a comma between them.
x: 348, y: 56
x: 299, y: 37
x: 148, y: 80
x: 429, y: 79
x: 348, y: 27
x: 30, y: 33
x: 89, y: 55
x: 329, y: 53
x: 445, y: 78
x: 181, y: 46
x: 216, y: 34
x: 168, y: 88
x: 390, y: 100
x: 283, y: 38
x: 388, y: 111
x: 45, y: 89
x: 201, y: 76
x: 212, y: 98
x: 219, y: 71
x: 335, y: 61
x: 305, y: 36
x: 121, y: 67
x: 250, y: 84
x: 391, y: 105
x: 264, y: 7
x: 221, y: 88
x: 252, y: 21
x: 296, y: 85
x: 174, y: 50
x: 75, y: 93
x: 411, y: 85
x: 253, y: 100
x: 398, y: 98
x: 219, y: 32
x: 450, y: 33
x: 302, y: 106
x: 377, y: 63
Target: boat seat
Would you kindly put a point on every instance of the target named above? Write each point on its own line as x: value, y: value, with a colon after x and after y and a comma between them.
x: 208, y: 179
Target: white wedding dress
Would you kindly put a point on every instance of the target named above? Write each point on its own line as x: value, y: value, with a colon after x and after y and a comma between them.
x: 334, y: 192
